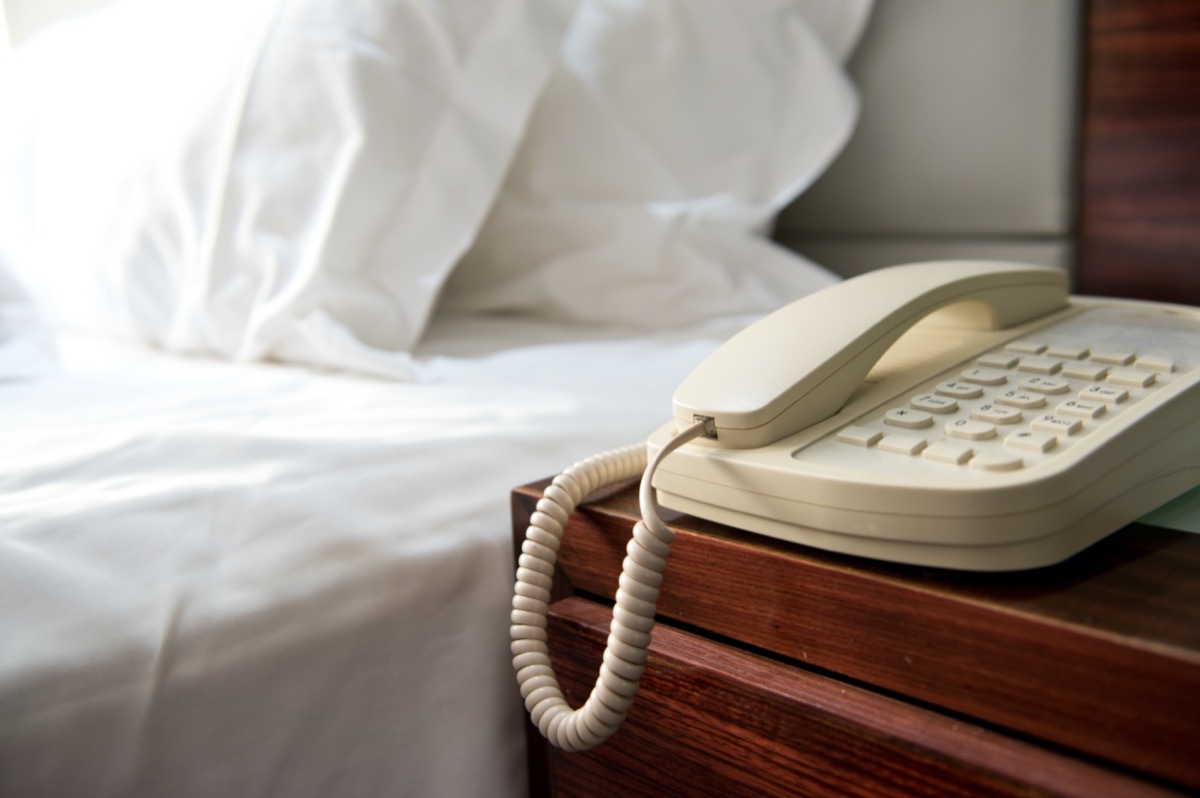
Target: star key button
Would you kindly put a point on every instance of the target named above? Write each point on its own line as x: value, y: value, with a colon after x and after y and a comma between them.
x: 908, y: 418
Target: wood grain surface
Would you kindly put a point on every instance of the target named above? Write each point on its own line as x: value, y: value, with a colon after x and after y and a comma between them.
x: 1100, y: 655
x: 1139, y: 201
x: 718, y: 721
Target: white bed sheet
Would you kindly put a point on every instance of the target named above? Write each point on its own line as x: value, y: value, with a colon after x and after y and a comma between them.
x: 224, y: 579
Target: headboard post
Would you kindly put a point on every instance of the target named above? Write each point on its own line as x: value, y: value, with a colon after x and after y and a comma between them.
x: 1139, y: 203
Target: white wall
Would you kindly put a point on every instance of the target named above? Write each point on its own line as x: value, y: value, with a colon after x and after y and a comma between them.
x: 26, y: 17
x: 967, y: 141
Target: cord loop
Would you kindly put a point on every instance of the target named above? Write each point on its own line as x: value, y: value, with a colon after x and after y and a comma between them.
x: 633, y: 616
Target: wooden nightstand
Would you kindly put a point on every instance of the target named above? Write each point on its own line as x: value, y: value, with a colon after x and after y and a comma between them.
x: 781, y: 670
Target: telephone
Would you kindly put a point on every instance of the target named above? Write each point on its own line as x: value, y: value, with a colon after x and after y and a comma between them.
x: 957, y: 414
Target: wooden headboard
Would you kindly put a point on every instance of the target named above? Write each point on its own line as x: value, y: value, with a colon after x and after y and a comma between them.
x: 1139, y: 201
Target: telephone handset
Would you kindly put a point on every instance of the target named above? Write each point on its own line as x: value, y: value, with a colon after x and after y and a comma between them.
x: 798, y: 365
x: 958, y: 414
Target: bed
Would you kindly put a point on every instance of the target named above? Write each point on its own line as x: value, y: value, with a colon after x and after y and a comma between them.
x: 260, y: 428
x: 261, y: 580
x: 292, y: 293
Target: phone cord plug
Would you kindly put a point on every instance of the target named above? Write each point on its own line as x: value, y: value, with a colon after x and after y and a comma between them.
x: 636, y: 599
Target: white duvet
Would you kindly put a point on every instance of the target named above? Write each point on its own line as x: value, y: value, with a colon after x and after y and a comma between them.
x: 222, y: 579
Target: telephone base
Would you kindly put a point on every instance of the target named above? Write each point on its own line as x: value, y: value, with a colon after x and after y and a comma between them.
x: 997, y: 451
x: 1013, y: 556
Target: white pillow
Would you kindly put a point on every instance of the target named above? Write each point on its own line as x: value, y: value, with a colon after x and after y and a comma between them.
x: 668, y: 138
x: 286, y: 179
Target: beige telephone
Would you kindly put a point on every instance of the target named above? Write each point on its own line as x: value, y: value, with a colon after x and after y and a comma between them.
x: 958, y: 414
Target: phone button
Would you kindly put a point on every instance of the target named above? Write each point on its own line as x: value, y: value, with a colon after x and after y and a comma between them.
x: 934, y: 404
x: 1022, y: 399
x: 996, y: 414
x: 1081, y: 409
x: 1113, y: 357
x: 1084, y: 371
x: 1026, y: 347
x: 998, y: 360
x: 959, y: 390
x: 1068, y: 351
x: 1132, y: 378
x: 970, y: 429
x: 1154, y: 363
x: 948, y: 452
x: 908, y: 418
x: 902, y: 444
x: 1040, y: 365
x: 1045, y: 385
x: 984, y: 376
x: 859, y: 436
x: 996, y: 461
x: 1055, y: 425
x: 1108, y: 394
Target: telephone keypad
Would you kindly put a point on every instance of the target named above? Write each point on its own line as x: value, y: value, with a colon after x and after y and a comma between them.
x: 983, y: 409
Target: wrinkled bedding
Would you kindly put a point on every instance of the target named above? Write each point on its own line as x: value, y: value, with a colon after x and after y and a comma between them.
x: 222, y: 578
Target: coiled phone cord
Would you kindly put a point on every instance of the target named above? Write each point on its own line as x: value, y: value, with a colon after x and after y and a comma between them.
x: 633, y: 615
